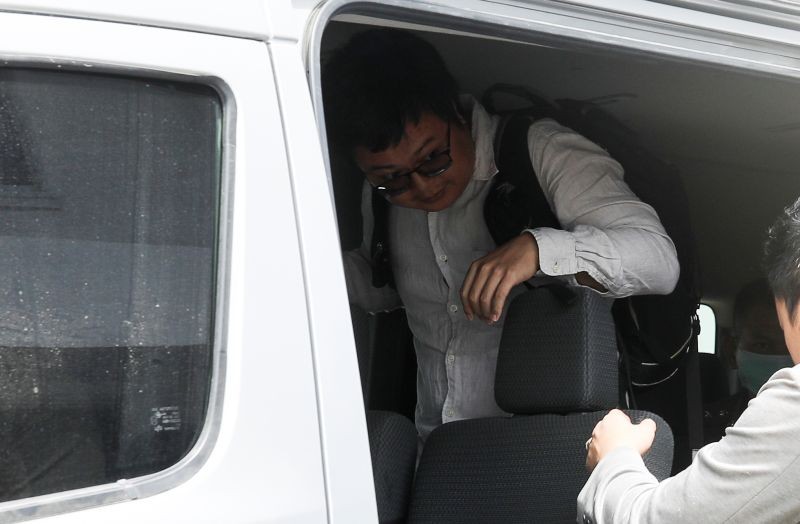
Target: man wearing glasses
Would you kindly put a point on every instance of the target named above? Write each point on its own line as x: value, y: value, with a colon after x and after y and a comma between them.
x: 392, y: 105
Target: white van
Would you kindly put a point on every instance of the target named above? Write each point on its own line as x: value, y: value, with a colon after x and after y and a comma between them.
x: 175, y: 338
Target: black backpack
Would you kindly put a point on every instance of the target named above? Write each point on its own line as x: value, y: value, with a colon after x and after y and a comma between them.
x: 655, y: 332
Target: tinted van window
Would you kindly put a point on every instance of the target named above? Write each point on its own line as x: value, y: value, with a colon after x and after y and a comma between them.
x: 108, y: 219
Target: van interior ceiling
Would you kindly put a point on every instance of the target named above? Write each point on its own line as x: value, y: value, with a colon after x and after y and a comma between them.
x: 732, y: 133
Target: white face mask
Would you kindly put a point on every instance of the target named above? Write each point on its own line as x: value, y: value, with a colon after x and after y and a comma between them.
x: 756, y: 368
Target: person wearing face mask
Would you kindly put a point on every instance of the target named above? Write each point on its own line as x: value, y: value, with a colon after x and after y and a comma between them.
x: 760, y: 348
x: 756, y: 352
x: 393, y: 108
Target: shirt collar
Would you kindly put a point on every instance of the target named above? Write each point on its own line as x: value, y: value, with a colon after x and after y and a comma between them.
x: 483, y: 129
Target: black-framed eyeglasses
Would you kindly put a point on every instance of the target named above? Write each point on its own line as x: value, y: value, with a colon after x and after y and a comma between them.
x: 437, y: 163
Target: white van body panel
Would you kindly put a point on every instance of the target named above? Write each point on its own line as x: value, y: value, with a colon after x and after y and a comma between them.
x: 248, y: 18
x: 259, y: 459
x: 256, y: 19
x: 286, y: 439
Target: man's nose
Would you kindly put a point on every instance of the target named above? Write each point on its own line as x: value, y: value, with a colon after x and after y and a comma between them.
x: 423, y: 185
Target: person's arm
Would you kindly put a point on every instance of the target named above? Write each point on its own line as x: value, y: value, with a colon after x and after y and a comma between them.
x: 610, y: 237
x: 611, y: 241
x: 751, y: 475
x: 358, y: 268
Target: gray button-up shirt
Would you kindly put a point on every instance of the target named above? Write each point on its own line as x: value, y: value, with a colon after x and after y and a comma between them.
x: 751, y: 475
x: 607, y: 232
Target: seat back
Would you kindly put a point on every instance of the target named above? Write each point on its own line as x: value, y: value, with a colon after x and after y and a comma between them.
x: 557, y: 372
x: 393, y: 449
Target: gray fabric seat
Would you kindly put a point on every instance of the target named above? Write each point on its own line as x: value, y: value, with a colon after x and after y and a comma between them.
x: 393, y: 449
x: 557, y: 372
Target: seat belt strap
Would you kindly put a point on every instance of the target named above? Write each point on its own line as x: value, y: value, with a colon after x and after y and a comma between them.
x: 694, y: 395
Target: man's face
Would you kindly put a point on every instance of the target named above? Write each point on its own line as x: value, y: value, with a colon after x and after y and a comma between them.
x: 423, y: 143
x: 761, y: 350
x: 761, y: 332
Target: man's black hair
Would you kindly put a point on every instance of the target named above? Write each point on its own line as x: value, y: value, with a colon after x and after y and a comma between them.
x: 782, y: 257
x: 754, y: 294
x: 380, y: 80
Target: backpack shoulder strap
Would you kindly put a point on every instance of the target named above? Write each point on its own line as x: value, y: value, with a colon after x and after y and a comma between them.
x: 379, y: 243
x: 515, y: 201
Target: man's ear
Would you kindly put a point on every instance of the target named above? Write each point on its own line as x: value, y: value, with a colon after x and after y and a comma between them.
x: 780, y: 307
x: 461, y: 114
x: 784, y: 318
x: 791, y: 329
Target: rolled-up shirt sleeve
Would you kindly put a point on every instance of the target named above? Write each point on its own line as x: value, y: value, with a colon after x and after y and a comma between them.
x: 608, y: 232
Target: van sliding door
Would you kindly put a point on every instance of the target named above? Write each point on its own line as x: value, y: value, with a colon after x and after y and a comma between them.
x: 147, y: 231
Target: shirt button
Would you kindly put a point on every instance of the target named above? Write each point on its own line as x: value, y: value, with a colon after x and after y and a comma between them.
x: 443, y: 258
x: 453, y: 308
x: 451, y: 359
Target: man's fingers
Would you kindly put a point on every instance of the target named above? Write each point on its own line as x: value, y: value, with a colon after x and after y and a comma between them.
x: 646, y: 430
x: 490, y: 279
x: 488, y: 295
x: 476, y: 290
x: 477, y: 293
x: 591, y: 460
x: 617, y: 414
x: 466, y: 288
x: 500, y: 296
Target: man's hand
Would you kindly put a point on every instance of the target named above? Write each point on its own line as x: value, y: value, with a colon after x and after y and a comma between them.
x: 615, y: 431
x: 489, y: 279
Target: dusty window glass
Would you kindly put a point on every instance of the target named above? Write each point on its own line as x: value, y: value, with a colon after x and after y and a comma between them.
x: 108, y: 220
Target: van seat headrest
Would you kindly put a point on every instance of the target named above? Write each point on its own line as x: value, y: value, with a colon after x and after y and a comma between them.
x: 558, y: 353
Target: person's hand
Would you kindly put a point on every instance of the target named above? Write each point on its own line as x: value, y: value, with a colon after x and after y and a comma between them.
x: 489, y: 279
x: 616, y: 431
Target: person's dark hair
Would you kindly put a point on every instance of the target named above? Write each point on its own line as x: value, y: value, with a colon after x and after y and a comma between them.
x: 782, y: 257
x: 754, y: 294
x: 380, y: 80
